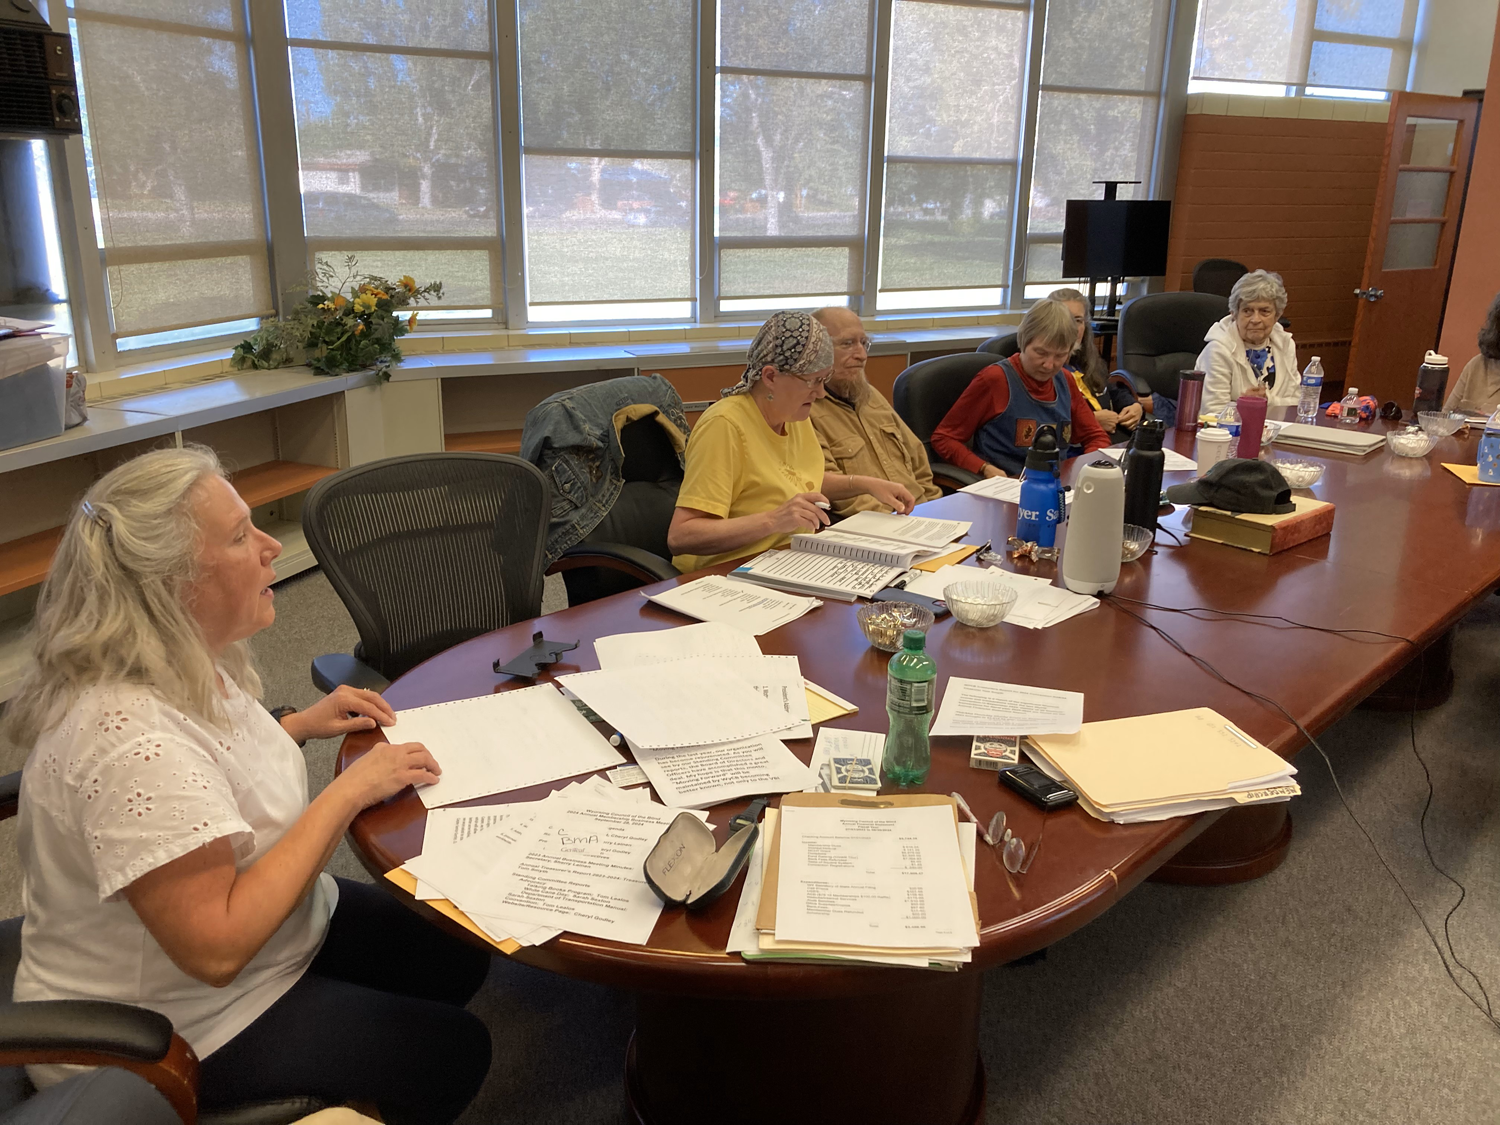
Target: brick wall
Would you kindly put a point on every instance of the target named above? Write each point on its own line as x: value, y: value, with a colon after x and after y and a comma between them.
x: 1293, y: 194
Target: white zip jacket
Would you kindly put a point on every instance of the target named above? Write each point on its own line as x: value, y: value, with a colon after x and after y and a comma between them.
x: 1228, y: 374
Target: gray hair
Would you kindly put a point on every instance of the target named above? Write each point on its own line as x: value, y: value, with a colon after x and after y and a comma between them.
x: 1258, y: 285
x: 794, y: 343
x: 1049, y: 323
x: 114, y: 607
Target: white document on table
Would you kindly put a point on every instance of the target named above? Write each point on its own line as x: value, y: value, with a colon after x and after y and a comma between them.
x: 755, y: 609
x: 579, y: 866
x: 890, y: 877
x: 500, y: 742
x: 779, y: 679
x: 447, y: 830
x: 931, y: 584
x: 832, y: 743
x: 695, y: 704
x: 1006, y: 489
x: 920, y: 531
x: 742, y: 933
x: 989, y: 707
x: 1040, y: 607
x: 1175, y: 462
x: 696, y: 777
x: 685, y: 642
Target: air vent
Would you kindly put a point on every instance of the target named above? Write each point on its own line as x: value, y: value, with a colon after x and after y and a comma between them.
x: 23, y: 55
x: 25, y: 106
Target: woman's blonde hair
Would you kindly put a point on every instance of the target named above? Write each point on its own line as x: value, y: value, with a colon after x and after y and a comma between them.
x: 1049, y: 323
x: 1086, y: 355
x: 114, y: 607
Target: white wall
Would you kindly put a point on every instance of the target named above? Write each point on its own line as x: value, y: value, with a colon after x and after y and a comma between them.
x: 1452, y: 49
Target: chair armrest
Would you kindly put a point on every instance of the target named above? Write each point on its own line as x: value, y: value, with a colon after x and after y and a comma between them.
x: 1140, y: 386
x: 102, y: 1033
x: 950, y: 478
x: 10, y: 794
x: 334, y: 669
x: 634, y: 561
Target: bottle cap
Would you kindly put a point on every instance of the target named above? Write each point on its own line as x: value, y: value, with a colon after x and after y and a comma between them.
x: 1148, y: 435
x: 1043, y: 453
x: 1319, y: 359
x: 914, y: 640
x: 1353, y: 391
x: 1435, y: 360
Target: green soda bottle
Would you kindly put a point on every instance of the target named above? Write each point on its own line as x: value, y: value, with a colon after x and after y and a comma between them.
x: 908, y: 703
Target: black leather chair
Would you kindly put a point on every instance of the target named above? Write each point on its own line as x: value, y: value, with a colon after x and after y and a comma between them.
x: 150, y: 1075
x: 1161, y: 335
x: 925, y: 392
x: 1217, y: 275
x: 426, y: 551
x: 1002, y: 345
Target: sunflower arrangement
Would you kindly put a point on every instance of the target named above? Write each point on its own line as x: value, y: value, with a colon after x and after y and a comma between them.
x: 349, y: 321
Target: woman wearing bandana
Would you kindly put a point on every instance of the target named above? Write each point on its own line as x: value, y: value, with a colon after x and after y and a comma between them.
x: 1248, y: 352
x: 754, y: 473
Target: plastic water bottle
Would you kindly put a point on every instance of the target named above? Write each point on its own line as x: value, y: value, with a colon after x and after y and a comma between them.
x: 1312, y: 391
x: 1349, y: 407
x: 1489, y: 454
x: 909, y: 689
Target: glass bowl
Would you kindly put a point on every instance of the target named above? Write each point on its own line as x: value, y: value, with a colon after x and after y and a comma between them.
x: 884, y: 624
x: 1440, y: 423
x: 1135, y: 542
x: 1298, y: 474
x: 981, y: 604
x: 1410, y: 442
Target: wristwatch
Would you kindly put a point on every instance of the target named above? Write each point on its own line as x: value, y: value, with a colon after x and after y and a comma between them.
x: 279, y: 713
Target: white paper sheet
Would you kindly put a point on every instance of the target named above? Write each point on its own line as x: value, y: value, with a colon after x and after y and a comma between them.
x: 918, y: 530
x: 697, y: 777
x: 742, y: 933
x: 988, y: 707
x: 1039, y: 604
x: 827, y: 576
x: 1005, y: 489
x: 698, y: 703
x: 755, y: 609
x: 844, y: 744
x: 779, y: 679
x: 884, y: 877
x: 500, y: 742
x: 1175, y: 462
x: 685, y: 642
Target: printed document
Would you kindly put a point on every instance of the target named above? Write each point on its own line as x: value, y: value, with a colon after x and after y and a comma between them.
x: 1175, y: 462
x: 755, y: 609
x: 824, y: 575
x: 496, y: 743
x: 920, y: 531
x: 696, y: 777
x: 1007, y: 489
x: 988, y: 707
x: 892, y: 878
x: 685, y: 642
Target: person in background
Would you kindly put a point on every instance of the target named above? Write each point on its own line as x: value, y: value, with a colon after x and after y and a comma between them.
x: 1007, y: 401
x: 860, y: 433
x: 169, y: 854
x: 1115, y: 407
x: 754, y: 474
x: 1248, y: 352
x: 1478, y: 387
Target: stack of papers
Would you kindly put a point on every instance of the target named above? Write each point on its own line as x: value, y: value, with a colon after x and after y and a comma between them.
x: 1175, y: 462
x: 750, y: 608
x: 521, y: 874
x: 1007, y: 489
x: 991, y: 708
x: 21, y: 351
x: 1153, y: 767
x: 835, y: 880
x: 915, y: 531
x: 1039, y: 604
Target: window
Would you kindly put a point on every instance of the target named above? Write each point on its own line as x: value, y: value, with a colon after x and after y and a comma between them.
x: 607, y: 149
x: 175, y: 165
x: 395, y: 114
x: 1339, y: 48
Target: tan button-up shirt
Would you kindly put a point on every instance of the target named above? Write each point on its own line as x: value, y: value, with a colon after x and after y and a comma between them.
x: 871, y: 441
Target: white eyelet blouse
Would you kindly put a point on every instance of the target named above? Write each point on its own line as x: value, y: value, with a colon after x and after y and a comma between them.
x: 124, y: 784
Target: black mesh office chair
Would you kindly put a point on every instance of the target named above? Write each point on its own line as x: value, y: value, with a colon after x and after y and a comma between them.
x: 148, y: 1075
x: 925, y: 392
x: 1217, y: 275
x: 426, y: 551
x: 1161, y: 335
x: 1002, y: 345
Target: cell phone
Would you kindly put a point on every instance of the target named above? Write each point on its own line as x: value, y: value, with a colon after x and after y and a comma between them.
x: 1037, y: 787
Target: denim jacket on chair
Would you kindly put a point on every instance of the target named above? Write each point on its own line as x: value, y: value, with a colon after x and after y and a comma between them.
x: 574, y: 437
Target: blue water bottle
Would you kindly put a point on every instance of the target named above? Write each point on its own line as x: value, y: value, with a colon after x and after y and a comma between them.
x: 1489, y: 451
x: 1041, y: 501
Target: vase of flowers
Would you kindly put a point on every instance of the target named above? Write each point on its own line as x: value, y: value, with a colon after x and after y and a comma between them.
x: 349, y: 321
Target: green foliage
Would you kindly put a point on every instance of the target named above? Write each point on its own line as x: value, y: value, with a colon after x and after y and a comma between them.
x: 334, y: 331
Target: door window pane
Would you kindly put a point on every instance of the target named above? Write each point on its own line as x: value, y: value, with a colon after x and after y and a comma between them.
x: 601, y: 229
x: 1086, y: 137
x: 785, y: 271
x: 1104, y: 44
x: 1421, y: 195
x: 1429, y: 141
x: 1380, y: 18
x: 830, y: 36
x: 1411, y: 246
x: 462, y: 25
x: 946, y: 225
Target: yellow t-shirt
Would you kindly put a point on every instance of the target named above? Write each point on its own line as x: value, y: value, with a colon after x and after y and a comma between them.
x: 738, y: 466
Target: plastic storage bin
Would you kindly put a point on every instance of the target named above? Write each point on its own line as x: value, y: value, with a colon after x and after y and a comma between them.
x: 33, y: 398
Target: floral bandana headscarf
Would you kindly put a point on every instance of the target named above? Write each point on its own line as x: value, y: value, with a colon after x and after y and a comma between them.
x: 792, y: 342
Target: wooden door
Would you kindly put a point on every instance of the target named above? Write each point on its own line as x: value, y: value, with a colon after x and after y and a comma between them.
x: 1412, y: 240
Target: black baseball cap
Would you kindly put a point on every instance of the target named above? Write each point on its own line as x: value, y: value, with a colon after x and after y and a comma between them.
x: 1238, y: 484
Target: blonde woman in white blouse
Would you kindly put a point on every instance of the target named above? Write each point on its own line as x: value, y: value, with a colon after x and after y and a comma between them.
x: 170, y: 855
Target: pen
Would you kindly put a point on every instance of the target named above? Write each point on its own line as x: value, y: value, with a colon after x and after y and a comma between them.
x: 617, y: 739
x: 822, y: 504
x: 963, y: 807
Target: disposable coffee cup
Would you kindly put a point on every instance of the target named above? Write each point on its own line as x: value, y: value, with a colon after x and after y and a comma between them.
x: 1212, y: 447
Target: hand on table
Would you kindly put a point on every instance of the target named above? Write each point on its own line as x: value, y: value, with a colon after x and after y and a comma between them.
x: 342, y: 711
x: 386, y: 769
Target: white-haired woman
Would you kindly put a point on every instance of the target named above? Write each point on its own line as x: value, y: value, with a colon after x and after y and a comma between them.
x: 170, y: 855
x: 1005, y: 405
x: 1248, y: 352
x: 754, y: 474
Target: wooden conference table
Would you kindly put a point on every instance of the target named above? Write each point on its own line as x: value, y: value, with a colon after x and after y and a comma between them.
x: 1412, y: 549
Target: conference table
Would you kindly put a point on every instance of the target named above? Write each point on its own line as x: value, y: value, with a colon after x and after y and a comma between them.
x: 717, y: 1038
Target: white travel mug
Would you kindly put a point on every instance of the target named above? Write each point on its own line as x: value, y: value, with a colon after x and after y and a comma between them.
x: 1212, y: 447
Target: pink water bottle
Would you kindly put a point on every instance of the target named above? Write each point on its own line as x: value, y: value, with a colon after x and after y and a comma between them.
x: 1252, y: 423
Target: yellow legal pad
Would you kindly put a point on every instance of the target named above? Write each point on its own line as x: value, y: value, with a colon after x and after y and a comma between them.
x: 1469, y: 474
x: 953, y: 558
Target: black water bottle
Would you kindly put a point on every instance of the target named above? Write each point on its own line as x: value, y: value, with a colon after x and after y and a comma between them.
x: 1144, y: 462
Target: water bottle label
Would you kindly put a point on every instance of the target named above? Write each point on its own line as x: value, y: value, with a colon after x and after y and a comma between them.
x: 908, y: 697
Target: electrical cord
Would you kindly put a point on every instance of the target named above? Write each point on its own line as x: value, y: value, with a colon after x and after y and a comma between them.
x: 1485, y: 1009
